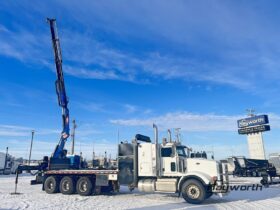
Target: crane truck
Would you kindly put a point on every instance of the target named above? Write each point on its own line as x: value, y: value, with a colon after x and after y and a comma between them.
x: 149, y: 166
x: 59, y: 158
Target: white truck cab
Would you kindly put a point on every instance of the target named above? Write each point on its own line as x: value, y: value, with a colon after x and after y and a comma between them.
x: 167, y: 167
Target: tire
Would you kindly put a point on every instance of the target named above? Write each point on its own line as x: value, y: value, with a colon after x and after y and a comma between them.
x: 67, y: 186
x: 264, y: 182
x: 84, y: 186
x: 193, y: 191
x: 51, y: 185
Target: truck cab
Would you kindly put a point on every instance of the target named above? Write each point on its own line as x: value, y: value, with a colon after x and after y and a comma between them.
x: 167, y: 167
x: 173, y: 156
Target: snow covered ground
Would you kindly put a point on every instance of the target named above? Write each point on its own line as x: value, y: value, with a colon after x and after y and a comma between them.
x: 32, y: 197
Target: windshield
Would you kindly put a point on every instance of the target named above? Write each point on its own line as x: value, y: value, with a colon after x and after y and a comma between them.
x: 181, y: 151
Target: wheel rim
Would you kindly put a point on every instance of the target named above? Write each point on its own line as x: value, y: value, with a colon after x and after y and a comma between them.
x: 83, y: 186
x: 193, y: 191
x: 66, y: 185
x: 51, y: 185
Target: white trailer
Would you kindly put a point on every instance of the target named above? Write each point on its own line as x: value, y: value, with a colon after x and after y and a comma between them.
x: 6, y: 162
x: 2, y: 162
x: 274, y: 159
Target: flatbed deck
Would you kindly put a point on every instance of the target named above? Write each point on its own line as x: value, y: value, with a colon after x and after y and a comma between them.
x: 86, y: 171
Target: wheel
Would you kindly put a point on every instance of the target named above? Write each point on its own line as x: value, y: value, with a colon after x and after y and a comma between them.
x: 264, y: 182
x: 67, y: 185
x: 51, y: 185
x: 193, y: 191
x: 84, y: 186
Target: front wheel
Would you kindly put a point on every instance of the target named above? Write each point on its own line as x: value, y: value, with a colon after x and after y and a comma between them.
x: 193, y: 191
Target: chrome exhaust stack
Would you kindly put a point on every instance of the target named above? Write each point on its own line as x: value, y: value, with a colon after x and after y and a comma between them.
x: 157, y: 147
x: 169, y: 135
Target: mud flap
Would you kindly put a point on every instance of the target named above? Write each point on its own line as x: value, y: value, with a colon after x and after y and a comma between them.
x: 101, y: 180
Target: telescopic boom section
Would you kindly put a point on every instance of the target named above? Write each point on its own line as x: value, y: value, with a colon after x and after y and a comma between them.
x: 60, y: 91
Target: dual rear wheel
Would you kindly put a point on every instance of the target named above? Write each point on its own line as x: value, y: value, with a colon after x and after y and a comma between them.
x: 84, y: 186
x: 67, y: 186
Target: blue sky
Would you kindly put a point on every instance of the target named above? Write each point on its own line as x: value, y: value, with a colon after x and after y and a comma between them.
x: 197, y: 65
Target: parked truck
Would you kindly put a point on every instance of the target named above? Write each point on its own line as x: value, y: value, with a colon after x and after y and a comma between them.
x: 243, y: 167
x: 6, y: 163
x: 168, y: 167
x: 3, y: 162
x: 274, y: 159
x: 148, y: 166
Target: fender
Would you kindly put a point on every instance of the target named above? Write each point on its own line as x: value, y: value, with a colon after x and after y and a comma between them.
x: 203, y: 177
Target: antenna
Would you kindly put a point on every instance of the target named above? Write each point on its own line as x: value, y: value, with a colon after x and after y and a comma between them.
x: 250, y: 112
x: 118, y: 136
x: 73, y: 137
x: 93, y: 153
x: 80, y: 147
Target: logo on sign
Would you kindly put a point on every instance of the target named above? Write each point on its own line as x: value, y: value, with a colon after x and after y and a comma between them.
x: 252, y: 121
x: 253, y: 124
x: 246, y: 123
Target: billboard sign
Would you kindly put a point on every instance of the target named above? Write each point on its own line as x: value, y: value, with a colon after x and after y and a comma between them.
x: 256, y: 129
x: 253, y: 121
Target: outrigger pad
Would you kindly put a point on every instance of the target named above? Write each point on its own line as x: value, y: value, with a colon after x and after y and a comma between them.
x: 15, y: 193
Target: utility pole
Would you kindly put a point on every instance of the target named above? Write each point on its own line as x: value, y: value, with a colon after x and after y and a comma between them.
x: 93, y: 153
x: 6, y: 158
x: 32, y: 136
x: 73, y: 137
x: 105, y: 160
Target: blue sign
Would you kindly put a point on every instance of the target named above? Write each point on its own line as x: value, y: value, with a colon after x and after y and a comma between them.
x: 253, y: 121
x: 256, y: 129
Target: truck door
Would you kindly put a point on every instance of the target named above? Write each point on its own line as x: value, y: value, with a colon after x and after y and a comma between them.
x: 169, y: 166
x: 181, y: 156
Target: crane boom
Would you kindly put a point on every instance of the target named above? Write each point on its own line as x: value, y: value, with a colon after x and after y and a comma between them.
x: 59, y: 151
